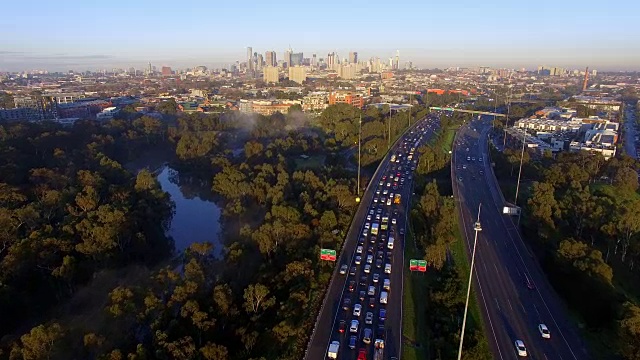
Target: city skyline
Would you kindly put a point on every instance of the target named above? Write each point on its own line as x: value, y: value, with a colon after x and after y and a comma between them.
x: 501, y: 34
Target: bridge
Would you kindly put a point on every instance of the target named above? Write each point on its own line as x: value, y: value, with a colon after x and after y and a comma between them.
x: 466, y: 111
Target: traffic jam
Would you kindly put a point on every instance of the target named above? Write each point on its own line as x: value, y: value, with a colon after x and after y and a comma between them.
x: 360, y: 329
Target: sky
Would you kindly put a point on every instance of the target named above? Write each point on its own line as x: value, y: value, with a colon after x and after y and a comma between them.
x: 89, y: 35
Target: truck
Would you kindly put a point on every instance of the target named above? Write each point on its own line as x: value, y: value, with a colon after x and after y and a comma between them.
x: 385, y: 223
x: 378, y: 351
x: 332, y: 353
x: 396, y: 200
x: 374, y: 229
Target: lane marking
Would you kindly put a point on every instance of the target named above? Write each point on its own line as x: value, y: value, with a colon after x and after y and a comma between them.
x: 511, y: 306
x: 497, y: 304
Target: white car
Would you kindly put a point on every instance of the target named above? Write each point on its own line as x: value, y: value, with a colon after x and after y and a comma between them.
x: 387, y: 268
x: 376, y: 277
x: 369, y: 259
x: 520, y: 348
x: 359, y: 250
x: 367, y: 268
x: 368, y: 318
x: 394, y: 221
x: 357, y: 310
x: 544, y: 331
x: 354, y: 326
x: 343, y: 269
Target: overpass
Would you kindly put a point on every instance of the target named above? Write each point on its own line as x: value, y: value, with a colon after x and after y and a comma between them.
x: 466, y: 111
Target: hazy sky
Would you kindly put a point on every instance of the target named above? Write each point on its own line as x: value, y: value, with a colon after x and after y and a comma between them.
x: 81, y: 34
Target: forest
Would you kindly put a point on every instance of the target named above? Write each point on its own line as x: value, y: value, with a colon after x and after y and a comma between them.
x: 73, y: 212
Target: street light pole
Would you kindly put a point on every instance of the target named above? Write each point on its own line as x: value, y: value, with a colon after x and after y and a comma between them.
x: 524, y: 140
x: 477, y: 228
x: 359, y: 140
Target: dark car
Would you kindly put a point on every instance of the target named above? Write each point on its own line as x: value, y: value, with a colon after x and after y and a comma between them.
x: 342, y: 326
x: 363, y: 281
x: 383, y: 314
x: 361, y: 241
x: 380, y: 254
x: 372, y: 302
x: 380, y: 332
x: 352, y: 272
x: 363, y: 294
x: 346, y: 304
x: 379, y: 263
x: 380, y: 246
x: 352, y: 285
x: 373, y: 239
x: 401, y: 231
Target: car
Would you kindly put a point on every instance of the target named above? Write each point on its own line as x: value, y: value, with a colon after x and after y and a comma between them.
x: 368, y: 319
x: 359, y: 250
x: 381, y: 183
x: 383, y: 314
x: 352, y: 285
x: 361, y: 240
x: 388, y: 184
x: 362, y: 354
x: 376, y: 277
x: 357, y: 310
x: 379, y: 211
x: 369, y: 259
x: 372, y: 302
x: 363, y: 294
x: 367, y: 268
x: 369, y: 216
x: 378, y: 192
x: 371, y: 212
x: 352, y: 271
x: 381, y: 331
x: 380, y: 254
x: 385, y: 192
x: 480, y: 159
x: 378, y: 217
x: 365, y: 232
x: 393, y: 221
x: 395, y: 212
x: 343, y: 269
x: 401, y: 231
x: 358, y: 260
x: 373, y: 240
x: 342, y: 326
x: 520, y: 348
x: 352, y: 342
x: 544, y: 331
x: 473, y: 158
x: 481, y: 172
x: 459, y: 178
x: 366, y: 338
x: 363, y: 280
x: 464, y: 167
x: 354, y: 326
x: 372, y: 291
x: 346, y: 304
x: 379, y: 263
x: 387, y: 268
x: 375, y: 199
x: 367, y: 225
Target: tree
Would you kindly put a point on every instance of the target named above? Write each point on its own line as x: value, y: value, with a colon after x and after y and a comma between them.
x: 255, y: 298
x: 40, y: 342
x: 168, y: 107
x: 542, y: 204
x: 629, y: 332
x: 626, y: 179
x: 214, y: 352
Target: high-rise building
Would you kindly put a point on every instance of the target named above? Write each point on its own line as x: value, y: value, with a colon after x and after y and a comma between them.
x: 259, y: 62
x: 332, y: 61
x: 166, y: 71
x: 287, y: 57
x: 353, y: 57
x: 397, y: 64
x: 297, y: 74
x: 348, y: 71
x: 270, y: 74
x: 314, y: 61
x: 271, y: 58
x: 296, y: 59
x: 249, y: 58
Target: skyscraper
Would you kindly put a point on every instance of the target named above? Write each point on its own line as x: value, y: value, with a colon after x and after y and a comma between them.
x: 259, y: 62
x: 249, y: 58
x: 270, y: 74
x: 314, y: 61
x: 296, y: 59
x: 331, y: 61
x: 397, y: 64
x: 353, y: 57
x: 287, y: 56
x: 271, y: 58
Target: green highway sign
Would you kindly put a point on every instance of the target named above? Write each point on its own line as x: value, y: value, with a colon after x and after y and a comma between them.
x: 418, y: 265
x: 327, y: 254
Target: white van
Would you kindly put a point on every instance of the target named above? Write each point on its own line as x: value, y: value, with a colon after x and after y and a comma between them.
x: 384, y: 296
x: 390, y: 243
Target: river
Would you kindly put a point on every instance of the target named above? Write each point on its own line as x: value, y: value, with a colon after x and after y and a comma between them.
x: 195, y: 219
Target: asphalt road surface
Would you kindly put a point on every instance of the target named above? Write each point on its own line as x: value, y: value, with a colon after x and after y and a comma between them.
x: 630, y: 132
x: 327, y: 327
x: 513, y: 293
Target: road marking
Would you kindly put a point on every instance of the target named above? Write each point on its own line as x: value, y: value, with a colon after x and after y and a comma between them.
x: 523, y: 309
x: 497, y: 304
x: 485, y: 266
x: 496, y: 267
x: 536, y: 308
x: 510, y: 304
x: 518, y: 270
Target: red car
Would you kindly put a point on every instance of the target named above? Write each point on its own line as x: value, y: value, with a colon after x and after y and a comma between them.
x: 342, y: 326
x: 362, y: 354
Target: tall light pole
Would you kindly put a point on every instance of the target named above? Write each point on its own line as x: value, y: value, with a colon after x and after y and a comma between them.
x: 477, y: 228
x: 359, y: 140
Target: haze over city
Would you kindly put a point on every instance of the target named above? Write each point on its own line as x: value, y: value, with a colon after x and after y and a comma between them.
x: 58, y: 36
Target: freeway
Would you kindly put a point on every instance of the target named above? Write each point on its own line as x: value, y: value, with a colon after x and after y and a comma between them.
x: 630, y: 132
x: 513, y: 293
x: 364, y: 274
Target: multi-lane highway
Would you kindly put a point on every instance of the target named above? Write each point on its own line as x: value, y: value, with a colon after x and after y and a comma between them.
x: 513, y: 293
x: 372, y: 262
